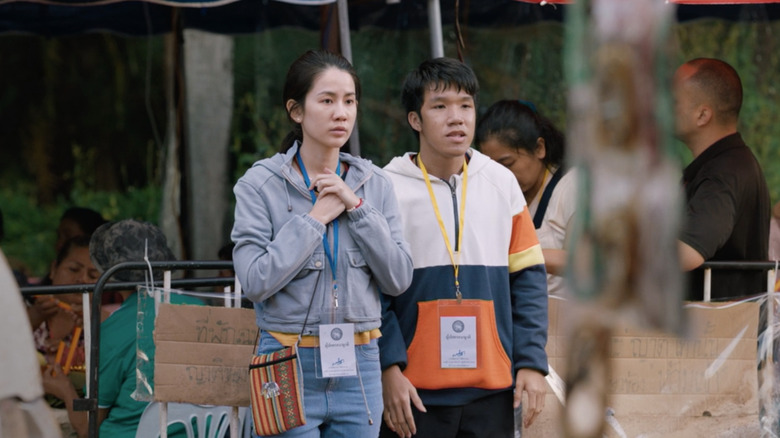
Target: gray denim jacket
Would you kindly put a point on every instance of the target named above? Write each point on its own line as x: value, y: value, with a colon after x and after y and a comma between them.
x: 279, y: 256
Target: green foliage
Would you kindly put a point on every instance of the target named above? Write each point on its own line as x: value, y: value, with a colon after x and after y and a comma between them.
x: 510, y: 63
x: 31, y: 228
x: 82, y: 134
x: 259, y: 119
x: 80, y: 113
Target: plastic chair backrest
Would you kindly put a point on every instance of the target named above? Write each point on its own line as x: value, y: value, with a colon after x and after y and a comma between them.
x: 208, y: 421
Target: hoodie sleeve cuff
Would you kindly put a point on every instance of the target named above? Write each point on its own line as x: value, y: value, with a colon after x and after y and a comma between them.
x: 314, y: 223
x: 360, y: 212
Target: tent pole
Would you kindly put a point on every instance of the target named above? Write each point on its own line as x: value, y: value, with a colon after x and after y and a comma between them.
x: 346, y: 51
x: 344, y: 37
x: 434, y: 23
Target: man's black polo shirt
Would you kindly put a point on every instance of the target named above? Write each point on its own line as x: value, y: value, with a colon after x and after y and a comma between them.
x: 727, y: 217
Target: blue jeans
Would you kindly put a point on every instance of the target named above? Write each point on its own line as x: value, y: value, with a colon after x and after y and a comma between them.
x: 336, y: 407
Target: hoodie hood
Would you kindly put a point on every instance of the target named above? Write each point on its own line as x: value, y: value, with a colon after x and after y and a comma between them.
x: 280, y: 165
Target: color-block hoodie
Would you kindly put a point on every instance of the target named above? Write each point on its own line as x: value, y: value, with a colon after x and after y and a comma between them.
x: 502, y: 280
x: 280, y: 258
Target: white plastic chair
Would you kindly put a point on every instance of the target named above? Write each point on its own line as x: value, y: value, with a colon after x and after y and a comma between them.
x: 193, y: 417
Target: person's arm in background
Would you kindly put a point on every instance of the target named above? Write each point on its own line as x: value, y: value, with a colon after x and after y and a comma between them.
x: 554, y: 260
x: 42, y: 308
x: 56, y: 383
x: 709, y: 220
x: 690, y: 259
x: 555, y: 231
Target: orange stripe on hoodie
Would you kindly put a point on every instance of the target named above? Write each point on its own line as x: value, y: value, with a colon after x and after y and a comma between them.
x: 524, y: 248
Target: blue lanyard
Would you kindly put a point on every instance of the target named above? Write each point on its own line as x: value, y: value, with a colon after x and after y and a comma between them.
x: 332, y: 258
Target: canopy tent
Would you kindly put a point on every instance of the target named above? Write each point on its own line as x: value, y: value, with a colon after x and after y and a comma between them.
x: 161, y: 17
x: 149, y: 17
x: 690, y: 2
x: 145, y: 17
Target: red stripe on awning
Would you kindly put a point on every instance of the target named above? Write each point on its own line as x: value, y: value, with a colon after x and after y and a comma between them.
x: 722, y: 2
x: 682, y: 2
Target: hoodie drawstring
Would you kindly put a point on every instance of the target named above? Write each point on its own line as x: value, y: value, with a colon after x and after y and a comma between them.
x: 287, y: 194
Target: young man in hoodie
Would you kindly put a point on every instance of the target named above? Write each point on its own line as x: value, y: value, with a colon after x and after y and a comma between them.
x: 466, y: 340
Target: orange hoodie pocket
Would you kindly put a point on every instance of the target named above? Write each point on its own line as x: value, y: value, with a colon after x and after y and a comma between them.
x: 494, y: 369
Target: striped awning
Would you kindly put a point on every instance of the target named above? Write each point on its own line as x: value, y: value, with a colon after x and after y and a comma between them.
x: 178, y: 3
x: 175, y: 3
x: 682, y: 2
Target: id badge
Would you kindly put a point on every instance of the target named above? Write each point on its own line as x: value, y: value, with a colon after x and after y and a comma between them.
x: 337, y: 350
x: 458, y: 341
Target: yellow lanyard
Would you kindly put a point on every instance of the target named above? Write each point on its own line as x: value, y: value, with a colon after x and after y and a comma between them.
x: 454, y: 258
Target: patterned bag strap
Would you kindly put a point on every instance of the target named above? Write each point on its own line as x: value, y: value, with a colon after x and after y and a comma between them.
x: 305, y: 320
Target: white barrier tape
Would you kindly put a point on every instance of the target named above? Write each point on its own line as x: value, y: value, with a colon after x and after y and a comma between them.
x: 557, y: 385
x: 726, y: 304
x: 721, y: 359
x: 612, y: 421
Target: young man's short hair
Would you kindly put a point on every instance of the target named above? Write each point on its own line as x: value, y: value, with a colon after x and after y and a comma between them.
x: 721, y: 82
x: 437, y: 74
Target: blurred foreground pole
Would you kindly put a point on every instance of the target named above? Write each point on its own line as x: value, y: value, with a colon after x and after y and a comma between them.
x: 623, y: 260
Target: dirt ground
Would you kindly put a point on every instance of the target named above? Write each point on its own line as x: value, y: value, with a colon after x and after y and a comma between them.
x: 548, y: 426
x: 654, y: 427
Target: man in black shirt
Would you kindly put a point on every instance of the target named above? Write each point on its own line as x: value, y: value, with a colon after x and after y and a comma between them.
x: 728, y: 208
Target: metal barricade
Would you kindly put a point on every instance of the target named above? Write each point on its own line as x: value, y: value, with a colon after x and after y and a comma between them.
x: 90, y: 403
x: 769, y: 267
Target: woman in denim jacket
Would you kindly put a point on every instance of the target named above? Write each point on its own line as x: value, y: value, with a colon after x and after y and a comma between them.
x: 318, y: 233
